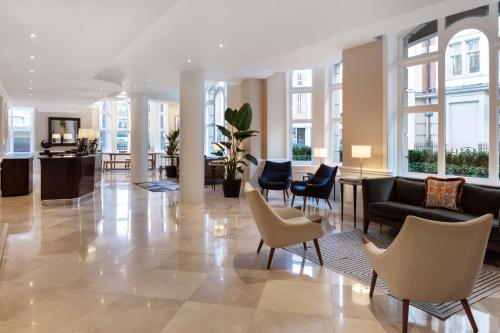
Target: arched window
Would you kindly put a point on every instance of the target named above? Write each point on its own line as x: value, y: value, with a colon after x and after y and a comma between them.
x: 467, y: 104
x: 215, y: 106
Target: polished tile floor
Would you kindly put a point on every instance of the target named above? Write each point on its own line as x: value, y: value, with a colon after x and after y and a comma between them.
x: 129, y: 260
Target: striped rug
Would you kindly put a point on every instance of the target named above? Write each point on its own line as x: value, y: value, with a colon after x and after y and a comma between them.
x: 343, y: 253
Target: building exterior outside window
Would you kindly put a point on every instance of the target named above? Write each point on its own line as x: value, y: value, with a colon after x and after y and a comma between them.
x: 21, y: 130
x: 453, y: 137
x: 215, y: 106
x: 336, y: 111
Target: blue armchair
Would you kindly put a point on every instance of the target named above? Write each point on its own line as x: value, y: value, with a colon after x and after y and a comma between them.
x: 319, y: 186
x: 276, y: 176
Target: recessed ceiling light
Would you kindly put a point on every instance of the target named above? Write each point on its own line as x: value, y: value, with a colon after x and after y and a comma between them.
x: 30, y: 88
x: 100, y: 88
x: 149, y: 80
x: 31, y: 81
x: 33, y: 35
x: 221, y: 45
x: 135, y: 86
x: 189, y: 61
x: 32, y: 56
x: 32, y: 71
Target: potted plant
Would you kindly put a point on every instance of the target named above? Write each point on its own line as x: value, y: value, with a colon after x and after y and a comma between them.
x: 235, y: 158
x: 171, y: 151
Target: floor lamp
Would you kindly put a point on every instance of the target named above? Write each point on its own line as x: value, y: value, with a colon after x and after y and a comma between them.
x: 361, y: 152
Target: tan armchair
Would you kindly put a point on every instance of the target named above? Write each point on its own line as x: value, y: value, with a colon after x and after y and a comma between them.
x: 281, y: 227
x: 434, y: 262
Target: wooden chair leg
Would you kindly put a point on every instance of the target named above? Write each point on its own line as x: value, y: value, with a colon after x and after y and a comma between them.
x: 374, y: 282
x: 469, y: 314
x: 305, y: 203
x: 267, y: 194
x: 305, y: 246
x: 318, y: 251
x: 406, y: 306
x: 270, y: 260
x: 287, y: 194
x: 293, y: 199
x: 262, y: 191
x: 260, y: 245
x: 284, y: 196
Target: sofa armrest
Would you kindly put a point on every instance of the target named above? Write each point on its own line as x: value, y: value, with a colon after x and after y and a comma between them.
x: 377, y: 190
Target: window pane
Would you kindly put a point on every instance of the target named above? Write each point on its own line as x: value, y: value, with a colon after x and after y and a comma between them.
x: 21, y: 141
x: 122, y: 140
x: 337, y: 73
x: 302, y: 78
x: 476, y: 12
x: 421, y: 142
x: 337, y: 141
x: 467, y: 114
x: 455, y: 51
x: 423, y: 39
x: 21, y: 118
x: 337, y: 103
x: 301, y: 142
x: 301, y: 106
x: 421, y: 85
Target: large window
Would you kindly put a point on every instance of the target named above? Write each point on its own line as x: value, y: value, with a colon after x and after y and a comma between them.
x: 215, y: 106
x: 21, y: 125
x: 301, y: 106
x: 336, y: 111
x: 450, y: 135
x: 122, y: 126
x: 105, y: 130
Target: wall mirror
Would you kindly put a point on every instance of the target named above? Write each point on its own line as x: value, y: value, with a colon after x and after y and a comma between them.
x: 63, y: 131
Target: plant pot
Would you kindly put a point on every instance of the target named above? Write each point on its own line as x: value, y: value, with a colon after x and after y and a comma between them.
x: 231, y: 188
x: 171, y: 171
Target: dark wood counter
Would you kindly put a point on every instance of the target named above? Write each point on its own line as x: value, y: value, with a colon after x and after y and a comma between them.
x: 16, y: 174
x: 69, y: 176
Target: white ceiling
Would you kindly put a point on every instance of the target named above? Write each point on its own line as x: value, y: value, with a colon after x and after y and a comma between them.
x: 92, y: 49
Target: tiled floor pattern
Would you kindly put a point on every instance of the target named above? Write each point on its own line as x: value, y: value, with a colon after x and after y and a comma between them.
x: 130, y: 260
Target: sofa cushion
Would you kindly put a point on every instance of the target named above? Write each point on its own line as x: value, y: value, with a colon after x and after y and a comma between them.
x: 480, y: 200
x: 393, y: 210
x: 444, y: 215
x: 410, y: 192
x: 444, y: 193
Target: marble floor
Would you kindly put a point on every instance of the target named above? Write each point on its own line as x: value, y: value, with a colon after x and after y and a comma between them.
x: 129, y: 260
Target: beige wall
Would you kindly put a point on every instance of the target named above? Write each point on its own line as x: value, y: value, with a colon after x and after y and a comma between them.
x: 363, y: 103
x: 276, y: 116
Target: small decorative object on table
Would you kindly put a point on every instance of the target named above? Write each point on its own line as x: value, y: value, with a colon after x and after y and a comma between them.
x: 46, y: 145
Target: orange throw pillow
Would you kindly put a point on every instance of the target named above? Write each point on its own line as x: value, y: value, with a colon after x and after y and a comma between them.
x: 444, y: 193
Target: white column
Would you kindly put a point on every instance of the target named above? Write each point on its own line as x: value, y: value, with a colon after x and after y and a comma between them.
x: 192, y: 99
x: 139, y: 138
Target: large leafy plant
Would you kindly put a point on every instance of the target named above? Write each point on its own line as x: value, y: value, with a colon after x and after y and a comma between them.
x: 238, y: 130
x: 172, y: 145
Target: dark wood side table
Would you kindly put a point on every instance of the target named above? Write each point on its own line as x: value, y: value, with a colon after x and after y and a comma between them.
x: 214, y: 166
x: 355, y: 182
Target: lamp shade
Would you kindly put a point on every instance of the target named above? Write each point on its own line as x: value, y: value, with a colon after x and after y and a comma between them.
x: 87, y: 133
x: 361, y: 151
x: 56, y: 136
x: 68, y: 136
x: 319, y: 152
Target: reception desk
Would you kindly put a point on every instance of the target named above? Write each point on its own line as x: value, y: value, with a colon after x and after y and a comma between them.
x: 69, y: 176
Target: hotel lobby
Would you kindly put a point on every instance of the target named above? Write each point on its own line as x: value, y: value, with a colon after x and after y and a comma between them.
x: 230, y: 166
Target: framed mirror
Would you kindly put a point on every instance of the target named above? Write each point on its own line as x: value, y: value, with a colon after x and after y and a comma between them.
x: 63, y: 131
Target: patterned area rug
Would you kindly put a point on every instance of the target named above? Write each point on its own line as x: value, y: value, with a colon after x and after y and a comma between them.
x: 160, y: 186
x: 343, y: 253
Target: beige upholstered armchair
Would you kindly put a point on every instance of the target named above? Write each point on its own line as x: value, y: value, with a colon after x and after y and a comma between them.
x: 434, y: 262
x: 281, y: 227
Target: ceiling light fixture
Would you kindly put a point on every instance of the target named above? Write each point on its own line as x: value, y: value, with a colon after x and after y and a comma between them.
x: 189, y: 61
x: 33, y: 35
x: 149, y: 80
x: 100, y: 88
x: 32, y: 71
x: 221, y: 45
x: 32, y: 56
x: 30, y: 88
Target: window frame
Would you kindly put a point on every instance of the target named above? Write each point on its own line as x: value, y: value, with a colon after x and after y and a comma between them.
x: 490, y: 27
x: 290, y: 92
x: 333, y: 87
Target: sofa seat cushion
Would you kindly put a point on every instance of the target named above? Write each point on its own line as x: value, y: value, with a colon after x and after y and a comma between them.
x: 393, y: 210
x: 479, y: 200
x: 444, y: 215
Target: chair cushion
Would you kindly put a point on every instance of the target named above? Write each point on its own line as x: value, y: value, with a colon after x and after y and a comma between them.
x: 443, y: 193
x: 444, y: 215
x: 393, y: 210
x: 270, y: 185
x: 479, y: 200
x: 297, y: 189
x: 410, y: 192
